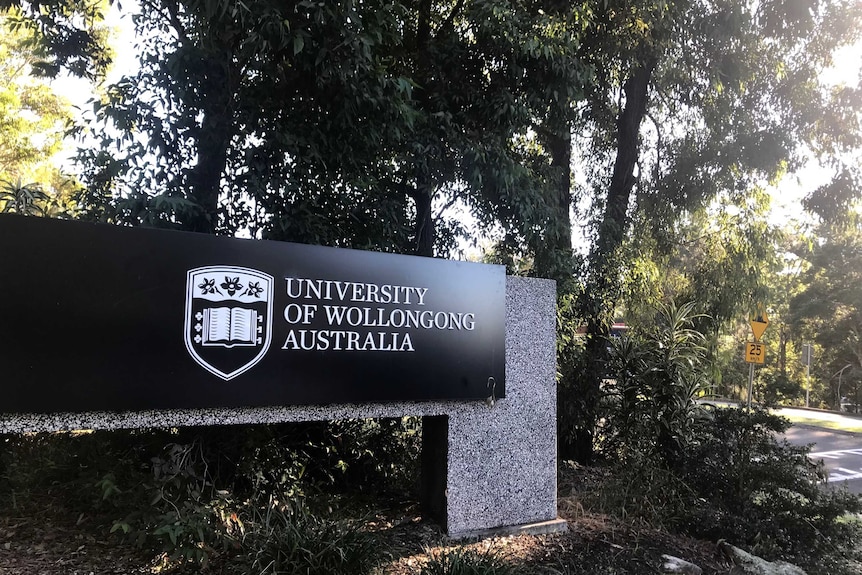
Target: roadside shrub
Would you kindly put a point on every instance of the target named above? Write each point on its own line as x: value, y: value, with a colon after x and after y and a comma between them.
x: 762, y: 492
x: 709, y: 472
x: 736, y: 481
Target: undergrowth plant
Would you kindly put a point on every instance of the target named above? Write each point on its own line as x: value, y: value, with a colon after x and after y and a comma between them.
x: 763, y: 492
x: 466, y: 561
x: 712, y: 473
x: 284, y: 537
x: 199, y: 495
x: 654, y: 379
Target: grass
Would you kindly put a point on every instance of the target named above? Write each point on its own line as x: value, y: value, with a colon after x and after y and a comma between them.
x: 825, y: 419
x: 836, y: 424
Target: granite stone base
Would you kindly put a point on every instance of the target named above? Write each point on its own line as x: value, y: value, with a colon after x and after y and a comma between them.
x: 498, y: 467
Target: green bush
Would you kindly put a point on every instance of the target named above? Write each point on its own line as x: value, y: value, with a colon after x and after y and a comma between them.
x: 346, y: 454
x: 650, y: 399
x: 642, y: 490
x: 712, y: 473
x: 765, y: 493
x: 176, y: 508
x: 80, y: 471
x: 183, y: 492
x: 735, y: 481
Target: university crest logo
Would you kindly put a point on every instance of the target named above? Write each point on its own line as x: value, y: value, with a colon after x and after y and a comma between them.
x: 228, y: 325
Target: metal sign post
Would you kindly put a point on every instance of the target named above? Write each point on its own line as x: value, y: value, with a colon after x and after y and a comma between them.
x: 807, y: 353
x: 755, y: 352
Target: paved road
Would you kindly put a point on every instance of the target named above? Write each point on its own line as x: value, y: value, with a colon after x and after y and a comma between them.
x: 841, y: 452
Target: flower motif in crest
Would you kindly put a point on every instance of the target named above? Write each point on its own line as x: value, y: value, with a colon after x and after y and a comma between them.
x: 208, y: 286
x: 254, y: 289
x: 231, y: 285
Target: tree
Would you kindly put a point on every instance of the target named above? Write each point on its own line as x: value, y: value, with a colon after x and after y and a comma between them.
x: 33, y: 122
x: 253, y: 114
x: 732, y: 95
x: 66, y: 35
x: 343, y: 124
x: 828, y: 311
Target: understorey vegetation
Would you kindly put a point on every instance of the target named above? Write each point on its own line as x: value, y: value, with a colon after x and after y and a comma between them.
x: 256, y: 499
x: 716, y: 473
x: 306, y: 498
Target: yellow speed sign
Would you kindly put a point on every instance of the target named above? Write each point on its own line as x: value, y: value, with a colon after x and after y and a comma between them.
x: 755, y: 352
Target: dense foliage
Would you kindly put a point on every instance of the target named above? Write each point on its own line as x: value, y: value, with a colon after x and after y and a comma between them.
x: 735, y: 481
x: 828, y: 309
x: 716, y: 473
x: 248, y: 498
x: 33, y: 123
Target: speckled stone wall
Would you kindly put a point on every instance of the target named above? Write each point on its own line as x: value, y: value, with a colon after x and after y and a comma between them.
x: 501, y: 455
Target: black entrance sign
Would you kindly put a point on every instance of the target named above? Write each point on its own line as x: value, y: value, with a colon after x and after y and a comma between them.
x: 98, y: 317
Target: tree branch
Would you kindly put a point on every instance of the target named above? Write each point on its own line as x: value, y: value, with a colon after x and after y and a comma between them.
x: 657, y: 169
x: 174, y: 18
x: 459, y: 5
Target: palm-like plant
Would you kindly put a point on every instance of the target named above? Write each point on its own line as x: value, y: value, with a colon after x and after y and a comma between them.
x: 657, y: 379
x: 19, y: 198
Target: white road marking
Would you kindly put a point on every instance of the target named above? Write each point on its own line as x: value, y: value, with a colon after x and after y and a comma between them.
x: 843, y: 477
x: 839, y: 473
x: 838, y: 453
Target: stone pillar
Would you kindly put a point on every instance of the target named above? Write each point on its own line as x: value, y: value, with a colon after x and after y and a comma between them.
x: 502, y: 468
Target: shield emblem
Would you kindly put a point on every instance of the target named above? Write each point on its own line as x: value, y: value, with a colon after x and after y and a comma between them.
x: 228, y: 324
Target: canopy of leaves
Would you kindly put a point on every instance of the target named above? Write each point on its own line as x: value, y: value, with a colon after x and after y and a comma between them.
x: 828, y: 311
x: 33, y: 122
x: 334, y: 123
x: 67, y: 35
x: 734, y: 100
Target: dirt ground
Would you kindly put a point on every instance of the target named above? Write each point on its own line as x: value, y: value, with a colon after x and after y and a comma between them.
x: 50, y: 542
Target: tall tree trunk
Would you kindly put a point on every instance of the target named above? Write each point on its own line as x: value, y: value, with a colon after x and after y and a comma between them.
x: 424, y: 221
x: 782, y: 350
x: 213, y: 140
x: 216, y: 132
x: 423, y: 192
x: 554, y: 255
x: 601, y: 293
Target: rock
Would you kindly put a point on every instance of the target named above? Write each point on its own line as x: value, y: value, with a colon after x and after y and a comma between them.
x: 671, y: 564
x: 748, y: 564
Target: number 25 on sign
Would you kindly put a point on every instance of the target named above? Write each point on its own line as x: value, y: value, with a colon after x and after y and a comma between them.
x: 755, y: 352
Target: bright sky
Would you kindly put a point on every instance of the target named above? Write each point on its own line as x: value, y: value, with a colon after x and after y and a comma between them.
x: 788, y: 195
